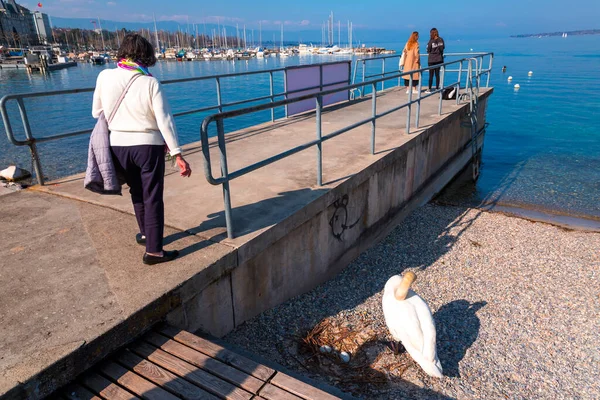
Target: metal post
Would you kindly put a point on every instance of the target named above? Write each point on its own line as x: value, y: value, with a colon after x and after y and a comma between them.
x: 219, y: 102
x: 319, y: 145
x: 443, y: 72
x: 409, y: 107
x: 374, y: 114
x: 363, y: 79
x: 225, y: 175
x: 272, y: 99
x: 37, y: 165
x: 419, y: 101
x: 458, y: 86
x: 383, y: 74
x: 487, y: 84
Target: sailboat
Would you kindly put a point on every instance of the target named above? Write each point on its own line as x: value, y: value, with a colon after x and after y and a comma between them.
x: 282, y: 52
x: 349, y: 49
x: 564, y: 35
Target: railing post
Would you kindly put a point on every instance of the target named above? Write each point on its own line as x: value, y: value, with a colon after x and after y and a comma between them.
x: 363, y: 78
x: 383, y: 74
x: 409, y: 107
x: 319, y: 145
x: 219, y: 102
x: 37, y: 165
x: 225, y: 175
x: 374, y: 115
x: 443, y: 73
x: 487, y: 84
x: 459, y: 78
x: 419, y: 101
x: 272, y: 99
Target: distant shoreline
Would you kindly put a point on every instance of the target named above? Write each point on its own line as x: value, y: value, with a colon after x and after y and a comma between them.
x: 572, y: 33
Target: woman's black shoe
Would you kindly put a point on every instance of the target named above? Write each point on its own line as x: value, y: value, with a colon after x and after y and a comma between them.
x: 140, y: 239
x: 167, y: 256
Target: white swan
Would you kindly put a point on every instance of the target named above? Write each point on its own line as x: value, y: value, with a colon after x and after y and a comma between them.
x: 409, y: 320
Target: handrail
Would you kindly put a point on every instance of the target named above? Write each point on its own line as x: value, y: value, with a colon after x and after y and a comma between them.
x: 31, y: 141
x: 383, y: 73
x: 227, y: 176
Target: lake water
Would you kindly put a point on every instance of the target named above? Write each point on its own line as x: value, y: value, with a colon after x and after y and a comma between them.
x: 542, y: 147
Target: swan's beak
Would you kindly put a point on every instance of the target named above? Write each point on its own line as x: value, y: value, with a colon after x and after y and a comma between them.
x: 402, y: 291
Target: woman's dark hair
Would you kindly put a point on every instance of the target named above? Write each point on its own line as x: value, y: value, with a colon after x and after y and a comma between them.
x: 138, y: 49
x: 433, y: 33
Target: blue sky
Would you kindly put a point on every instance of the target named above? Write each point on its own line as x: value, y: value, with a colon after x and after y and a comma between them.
x: 485, y: 17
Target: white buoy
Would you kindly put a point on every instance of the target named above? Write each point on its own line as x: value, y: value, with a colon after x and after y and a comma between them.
x: 517, y: 86
x: 510, y: 78
x: 345, y: 357
x: 530, y: 73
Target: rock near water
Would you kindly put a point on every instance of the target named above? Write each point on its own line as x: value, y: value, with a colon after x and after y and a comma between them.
x: 14, y: 173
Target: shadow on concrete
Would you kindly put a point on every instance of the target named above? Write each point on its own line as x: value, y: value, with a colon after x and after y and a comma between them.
x: 256, y: 216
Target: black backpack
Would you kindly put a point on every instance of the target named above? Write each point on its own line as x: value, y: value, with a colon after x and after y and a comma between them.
x: 449, y: 93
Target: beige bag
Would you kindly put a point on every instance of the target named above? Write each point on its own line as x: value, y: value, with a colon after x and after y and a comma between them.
x: 402, y: 59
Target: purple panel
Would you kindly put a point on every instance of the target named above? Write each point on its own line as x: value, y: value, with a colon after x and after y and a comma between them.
x: 336, y: 73
x: 300, y: 78
x: 309, y: 76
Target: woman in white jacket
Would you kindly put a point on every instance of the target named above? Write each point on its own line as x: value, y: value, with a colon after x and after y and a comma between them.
x: 139, y: 130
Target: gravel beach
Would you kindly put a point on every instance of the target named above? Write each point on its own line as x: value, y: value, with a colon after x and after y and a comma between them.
x: 516, y: 304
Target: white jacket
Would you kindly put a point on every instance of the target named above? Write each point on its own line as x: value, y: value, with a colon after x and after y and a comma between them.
x: 144, y: 117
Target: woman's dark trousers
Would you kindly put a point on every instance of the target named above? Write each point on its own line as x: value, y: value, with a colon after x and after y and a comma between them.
x: 144, y: 170
x: 435, y: 71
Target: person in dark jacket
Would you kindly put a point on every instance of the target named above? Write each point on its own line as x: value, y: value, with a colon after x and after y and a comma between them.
x: 435, y: 49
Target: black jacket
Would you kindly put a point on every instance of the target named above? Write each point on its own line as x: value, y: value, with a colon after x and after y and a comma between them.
x: 435, y: 49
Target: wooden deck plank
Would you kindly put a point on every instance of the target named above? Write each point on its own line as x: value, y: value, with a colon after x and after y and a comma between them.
x: 135, y: 383
x: 201, y: 360
x: 199, y: 377
x: 220, y: 353
x: 77, y: 392
x: 300, y: 388
x: 271, y: 392
x: 105, y: 388
x: 162, y: 377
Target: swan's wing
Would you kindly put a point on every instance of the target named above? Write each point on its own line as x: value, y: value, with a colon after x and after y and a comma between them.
x: 403, y: 323
x: 427, y: 327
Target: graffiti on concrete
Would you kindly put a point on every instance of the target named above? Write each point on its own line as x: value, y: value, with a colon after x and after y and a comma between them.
x: 339, y: 220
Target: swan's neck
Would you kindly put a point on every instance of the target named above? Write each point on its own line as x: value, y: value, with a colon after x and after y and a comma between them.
x: 402, y: 290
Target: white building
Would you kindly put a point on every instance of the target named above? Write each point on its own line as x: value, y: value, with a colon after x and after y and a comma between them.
x: 42, y: 26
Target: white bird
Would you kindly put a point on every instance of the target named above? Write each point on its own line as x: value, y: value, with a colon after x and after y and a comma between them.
x: 409, y: 320
x: 530, y: 73
x: 510, y: 78
x: 517, y: 86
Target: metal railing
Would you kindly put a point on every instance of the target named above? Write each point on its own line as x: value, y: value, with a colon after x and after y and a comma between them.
x: 473, y: 78
x: 362, y: 64
x: 32, y: 141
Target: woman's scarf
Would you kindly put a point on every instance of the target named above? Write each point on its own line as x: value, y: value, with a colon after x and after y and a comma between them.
x: 133, y: 66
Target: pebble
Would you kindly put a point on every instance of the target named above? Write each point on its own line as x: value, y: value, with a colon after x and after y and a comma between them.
x: 516, y: 314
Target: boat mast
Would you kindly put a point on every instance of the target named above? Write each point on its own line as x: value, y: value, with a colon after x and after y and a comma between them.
x: 156, y: 34
x: 245, y: 43
x: 101, y: 34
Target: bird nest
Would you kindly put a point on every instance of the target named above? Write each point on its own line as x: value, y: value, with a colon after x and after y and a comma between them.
x: 372, y: 360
